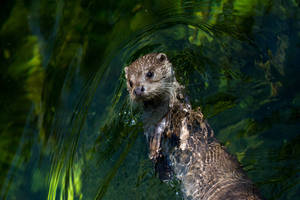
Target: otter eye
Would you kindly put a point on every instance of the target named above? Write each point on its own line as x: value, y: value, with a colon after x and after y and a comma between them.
x: 130, y: 83
x: 149, y: 74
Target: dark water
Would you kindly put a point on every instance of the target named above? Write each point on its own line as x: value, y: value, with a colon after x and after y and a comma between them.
x: 67, y: 130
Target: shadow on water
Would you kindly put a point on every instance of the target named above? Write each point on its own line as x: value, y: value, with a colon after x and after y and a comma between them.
x: 68, y: 130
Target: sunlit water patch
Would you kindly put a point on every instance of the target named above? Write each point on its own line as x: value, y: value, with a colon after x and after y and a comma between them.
x: 68, y: 130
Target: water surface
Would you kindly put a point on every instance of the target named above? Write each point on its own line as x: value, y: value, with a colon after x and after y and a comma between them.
x: 67, y: 130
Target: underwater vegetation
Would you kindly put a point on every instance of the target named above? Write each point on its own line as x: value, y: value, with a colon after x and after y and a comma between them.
x: 67, y: 129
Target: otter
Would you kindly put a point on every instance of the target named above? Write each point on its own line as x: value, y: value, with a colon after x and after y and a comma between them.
x: 182, y: 145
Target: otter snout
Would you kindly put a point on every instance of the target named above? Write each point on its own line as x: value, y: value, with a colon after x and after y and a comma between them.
x: 139, y: 91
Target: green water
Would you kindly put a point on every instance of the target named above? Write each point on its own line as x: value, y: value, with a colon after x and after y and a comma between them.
x: 67, y: 130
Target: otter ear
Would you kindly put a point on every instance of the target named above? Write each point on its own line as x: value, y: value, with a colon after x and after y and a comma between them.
x: 161, y: 57
x: 126, y: 72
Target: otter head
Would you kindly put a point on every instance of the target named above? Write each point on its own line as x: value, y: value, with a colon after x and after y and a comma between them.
x: 150, y: 78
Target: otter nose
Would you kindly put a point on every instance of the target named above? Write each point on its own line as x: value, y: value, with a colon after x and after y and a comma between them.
x: 138, y: 91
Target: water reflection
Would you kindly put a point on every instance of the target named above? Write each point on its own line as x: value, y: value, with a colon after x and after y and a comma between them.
x: 66, y: 123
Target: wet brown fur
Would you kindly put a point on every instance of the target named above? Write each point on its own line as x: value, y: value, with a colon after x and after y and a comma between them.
x: 181, y: 142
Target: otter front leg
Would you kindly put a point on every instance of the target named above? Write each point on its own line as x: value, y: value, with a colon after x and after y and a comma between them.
x: 154, y: 139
